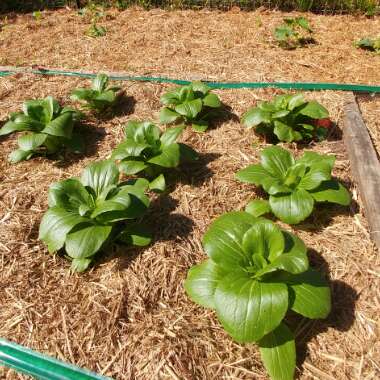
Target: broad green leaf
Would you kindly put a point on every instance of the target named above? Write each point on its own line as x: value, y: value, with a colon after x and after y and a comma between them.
x: 311, y: 158
x: 314, y: 110
x: 223, y: 240
x: 257, y: 175
x: 100, y: 175
x: 171, y: 97
x: 69, y: 194
x: 285, y: 132
x: 80, y: 265
x: 100, y: 82
x: 292, y: 208
x: 280, y: 114
x: 50, y: 108
x: 20, y: 155
x: 212, y: 100
x: 83, y: 94
x: 167, y: 115
x: 129, y: 148
x: 309, y: 292
x: 255, y: 116
x: 189, y: 109
x: 170, y: 135
x: 303, y: 23
x: 135, y: 234
x: 86, y: 241
x: 249, y: 309
x: 200, y: 86
x: 119, y: 202
x: 317, y: 173
x: 293, y: 259
x: 169, y: 158
x: 34, y: 109
x: 31, y: 141
x: 158, y: 184
x: 56, y: 224
x: 61, y: 126
x: 201, y: 282
x: 130, y: 167
x: 20, y: 123
x: 278, y: 353
x: 264, y: 238
x: 106, y: 97
x: 296, y: 101
x: 294, y: 174
x: 258, y: 207
x: 331, y: 191
x: 200, y: 125
x: 276, y: 161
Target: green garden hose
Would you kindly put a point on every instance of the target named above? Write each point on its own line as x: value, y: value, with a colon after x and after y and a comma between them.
x: 41, y: 366
x: 306, y: 86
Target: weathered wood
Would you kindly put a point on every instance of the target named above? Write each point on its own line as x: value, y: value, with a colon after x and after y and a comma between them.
x: 365, y: 165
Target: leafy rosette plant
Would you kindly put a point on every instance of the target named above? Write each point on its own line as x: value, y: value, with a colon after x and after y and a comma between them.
x: 288, y: 118
x: 194, y: 103
x: 371, y: 44
x: 254, y: 274
x: 89, y: 213
x: 294, y: 186
x: 295, y: 32
x: 49, y: 127
x: 100, y: 96
x: 146, y: 149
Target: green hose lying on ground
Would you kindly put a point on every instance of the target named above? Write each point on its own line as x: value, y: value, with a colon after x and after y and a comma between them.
x: 41, y: 366
x: 306, y: 86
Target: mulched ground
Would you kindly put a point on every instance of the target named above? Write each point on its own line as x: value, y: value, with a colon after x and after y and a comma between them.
x: 129, y: 317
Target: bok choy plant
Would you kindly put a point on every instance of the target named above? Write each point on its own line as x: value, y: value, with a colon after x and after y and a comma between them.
x: 254, y: 274
x: 100, y: 96
x: 288, y: 118
x: 49, y: 127
x: 295, y: 32
x: 146, y: 149
x: 371, y: 44
x: 194, y: 103
x: 86, y: 214
x: 294, y: 186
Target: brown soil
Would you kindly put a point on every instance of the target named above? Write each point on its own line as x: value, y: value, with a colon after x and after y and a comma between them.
x: 129, y: 317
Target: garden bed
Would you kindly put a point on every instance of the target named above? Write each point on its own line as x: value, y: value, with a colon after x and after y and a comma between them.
x: 129, y: 316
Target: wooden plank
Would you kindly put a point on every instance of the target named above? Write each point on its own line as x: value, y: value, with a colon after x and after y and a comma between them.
x: 365, y: 165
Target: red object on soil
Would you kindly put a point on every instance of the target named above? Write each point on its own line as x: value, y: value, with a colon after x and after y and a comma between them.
x: 324, y: 123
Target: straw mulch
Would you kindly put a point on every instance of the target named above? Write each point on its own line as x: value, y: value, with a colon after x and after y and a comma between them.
x: 233, y: 46
x: 129, y: 317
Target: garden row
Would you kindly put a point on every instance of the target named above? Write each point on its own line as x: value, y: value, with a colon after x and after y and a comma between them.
x: 255, y: 272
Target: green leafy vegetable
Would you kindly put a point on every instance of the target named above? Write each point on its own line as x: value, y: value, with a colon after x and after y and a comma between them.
x: 146, y: 149
x: 295, y: 32
x: 293, y: 185
x: 289, y: 118
x: 86, y: 214
x: 49, y: 127
x: 372, y: 44
x: 194, y: 103
x: 255, y: 273
x: 99, y: 96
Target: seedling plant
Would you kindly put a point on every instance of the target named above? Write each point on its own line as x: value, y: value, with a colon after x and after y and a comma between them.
x: 49, y: 127
x: 371, y: 44
x: 289, y: 118
x: 193, y: 104
x: 147, y: 150
x: 294, y: 186
x: 293, y: 33
x: 86, y: 214
x: 254, y: 274
x: 100, y: 96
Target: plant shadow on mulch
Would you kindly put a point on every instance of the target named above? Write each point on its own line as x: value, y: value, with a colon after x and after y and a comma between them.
x: 223, y: 115
x: 341, y: 317
x: 124, y: 107
x: 92, y: 136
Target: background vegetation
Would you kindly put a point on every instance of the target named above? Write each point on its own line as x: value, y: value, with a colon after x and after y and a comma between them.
x: 340, y: 6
